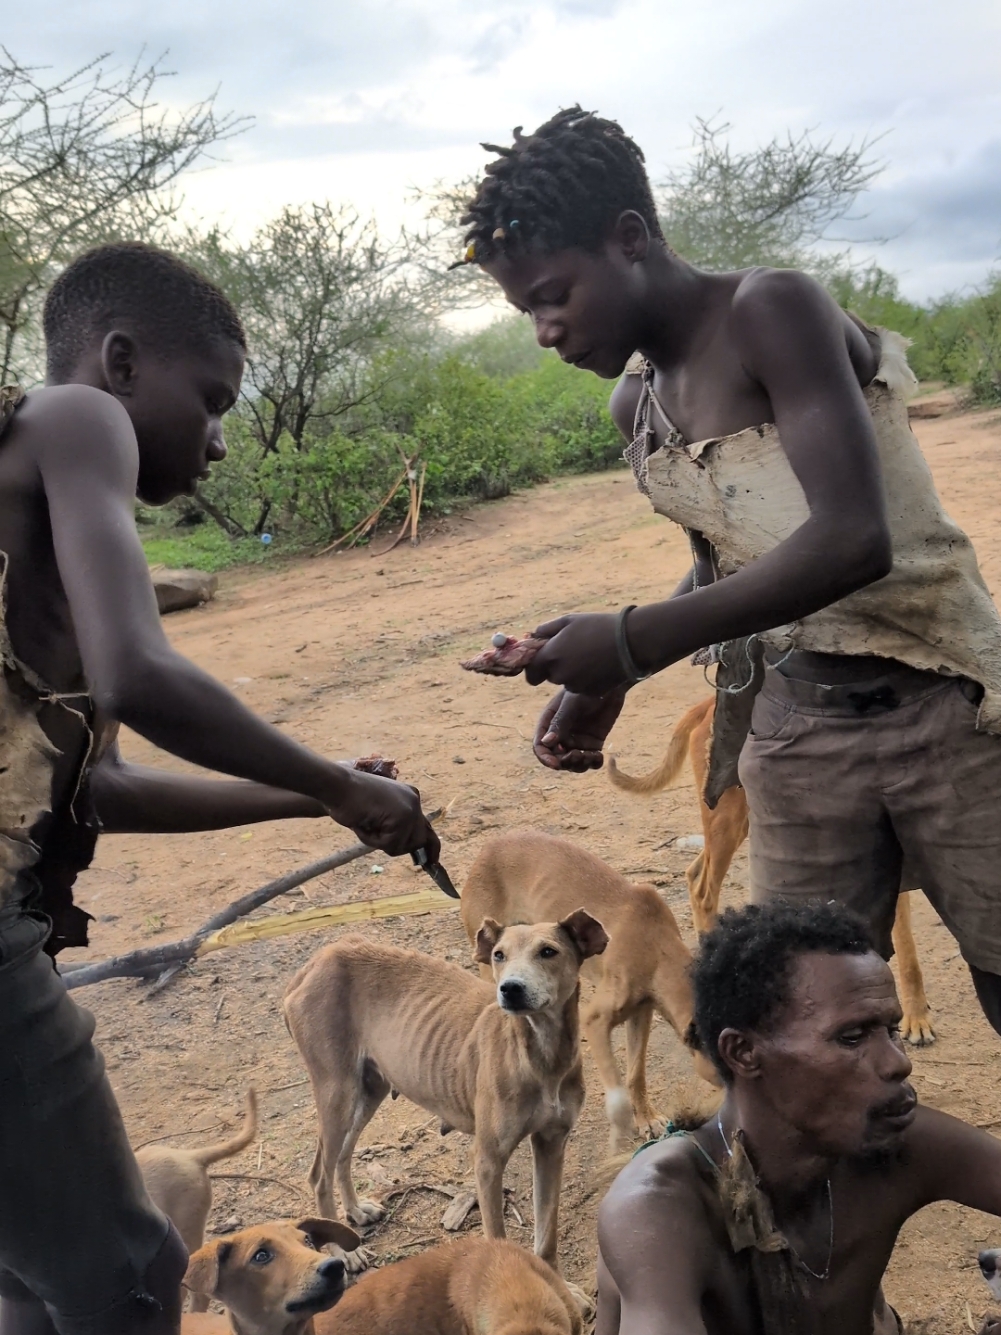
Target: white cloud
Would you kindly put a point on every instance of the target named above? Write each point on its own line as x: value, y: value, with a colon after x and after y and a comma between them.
x: 360, y: 100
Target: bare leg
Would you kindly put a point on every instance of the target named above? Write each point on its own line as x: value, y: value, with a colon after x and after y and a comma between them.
x: 916, y: 1026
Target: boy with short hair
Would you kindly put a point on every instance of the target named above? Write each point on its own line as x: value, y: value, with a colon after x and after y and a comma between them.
x: 834, y: 592
x: 145, y: 357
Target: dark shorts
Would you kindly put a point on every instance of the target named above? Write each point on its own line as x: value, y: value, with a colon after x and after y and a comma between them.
x: 853, y: 790
x: 77, y: 1229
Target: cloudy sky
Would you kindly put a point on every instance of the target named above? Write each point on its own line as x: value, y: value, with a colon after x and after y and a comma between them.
x: 361, y: 100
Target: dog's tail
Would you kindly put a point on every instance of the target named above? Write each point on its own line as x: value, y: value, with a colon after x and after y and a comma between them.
x: 227, y: 1148
x: 668, y: 769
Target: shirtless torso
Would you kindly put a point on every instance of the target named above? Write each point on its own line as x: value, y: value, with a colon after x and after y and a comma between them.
x: 831, y: 1072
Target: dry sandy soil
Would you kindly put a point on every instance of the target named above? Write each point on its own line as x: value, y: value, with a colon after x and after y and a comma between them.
x: 358, y: 653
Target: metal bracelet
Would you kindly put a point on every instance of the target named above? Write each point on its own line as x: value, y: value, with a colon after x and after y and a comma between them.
x: 626, y: 660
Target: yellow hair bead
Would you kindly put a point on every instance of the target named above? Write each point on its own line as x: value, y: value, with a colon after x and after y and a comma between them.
x: 470, y: 252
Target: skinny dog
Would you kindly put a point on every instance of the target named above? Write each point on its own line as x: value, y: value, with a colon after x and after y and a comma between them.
x: 524, y: 875
x: 499, y: 1062
x: 272, y: 1279
x: 725, y: 829
x: 178, y: 1182
x: 477, y: 1286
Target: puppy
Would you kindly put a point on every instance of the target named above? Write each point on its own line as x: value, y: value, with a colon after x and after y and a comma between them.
x: 524, y: 875
x: 272, y: 1279
x: 499, y: 1062
x: 478, y: 1286
x: 178, y: 1181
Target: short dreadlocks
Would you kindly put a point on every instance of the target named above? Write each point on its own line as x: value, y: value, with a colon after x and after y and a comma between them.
x: 743, y: 967
x: 149, y: 291
x: 563, y: 186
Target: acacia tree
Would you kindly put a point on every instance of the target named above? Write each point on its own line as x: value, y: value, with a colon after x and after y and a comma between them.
x: 85, y: 158
x: 322, y: 297
x: 723, y: 209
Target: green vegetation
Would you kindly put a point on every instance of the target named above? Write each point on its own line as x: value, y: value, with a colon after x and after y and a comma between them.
x: 350, y: 368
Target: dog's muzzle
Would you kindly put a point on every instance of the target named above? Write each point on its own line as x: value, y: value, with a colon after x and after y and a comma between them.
x: 328, y: 1287
x: 512, y: 995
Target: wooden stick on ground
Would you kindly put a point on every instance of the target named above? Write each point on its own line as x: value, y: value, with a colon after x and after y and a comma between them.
x: 139, y: 963
x: 173, y: 956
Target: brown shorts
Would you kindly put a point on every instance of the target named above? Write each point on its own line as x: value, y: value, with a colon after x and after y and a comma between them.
x: 853, y: 790
x: 77, y: 1229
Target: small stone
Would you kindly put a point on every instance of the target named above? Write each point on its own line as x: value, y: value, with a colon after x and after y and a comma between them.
x: 229, y: 1225
x: 458, y: 760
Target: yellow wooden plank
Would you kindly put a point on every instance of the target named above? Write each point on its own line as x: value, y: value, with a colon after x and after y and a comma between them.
x: 430, y: 900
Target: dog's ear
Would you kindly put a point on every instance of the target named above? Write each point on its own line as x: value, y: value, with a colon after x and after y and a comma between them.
x: 586, y: 933
x: 329, y: 1230
x: 202, y: 1274
x: 486, y: 938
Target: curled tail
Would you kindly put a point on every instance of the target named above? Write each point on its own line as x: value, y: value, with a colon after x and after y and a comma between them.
x: 227, y: 1148
x: 668, y: 769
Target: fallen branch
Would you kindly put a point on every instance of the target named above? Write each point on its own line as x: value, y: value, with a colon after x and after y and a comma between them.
x: 173, y: 956
x: 140, y: 963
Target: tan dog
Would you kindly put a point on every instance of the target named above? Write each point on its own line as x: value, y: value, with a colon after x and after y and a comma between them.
x: 524, y: 875
x: 725, y: 829
x: 178, y: 1181
x: 273, y: 1279
x: 498, y: 1062
x: 477, y: 1286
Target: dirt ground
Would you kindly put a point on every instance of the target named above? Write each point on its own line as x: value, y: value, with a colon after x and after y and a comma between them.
x: 358, y: 653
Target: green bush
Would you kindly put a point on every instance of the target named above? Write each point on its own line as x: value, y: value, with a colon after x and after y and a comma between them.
x: 479, y: 436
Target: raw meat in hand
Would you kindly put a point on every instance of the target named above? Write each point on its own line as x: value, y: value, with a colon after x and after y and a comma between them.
x: 506, y: 656
x: 386, y: 769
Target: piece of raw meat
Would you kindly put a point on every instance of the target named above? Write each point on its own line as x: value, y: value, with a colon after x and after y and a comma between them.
x: 386, y: 769
x: 506, y: 656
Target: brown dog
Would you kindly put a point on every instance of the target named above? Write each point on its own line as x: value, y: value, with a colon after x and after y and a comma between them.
x: 725, y: 829
x: 498, y: 1062
x: 477, y: 1286
x: 273, y: 1279
x: 524, y: 875
x: 178, y: 1182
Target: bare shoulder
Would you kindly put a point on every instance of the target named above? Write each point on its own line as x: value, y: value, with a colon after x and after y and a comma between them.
x: 766, y: 295
x: 664, y: 1191
x: 77, y: 418
x: 622, y: 404
x: 785, y: 323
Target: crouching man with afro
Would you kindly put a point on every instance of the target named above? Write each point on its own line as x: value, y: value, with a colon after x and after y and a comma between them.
x: 781, y: 1211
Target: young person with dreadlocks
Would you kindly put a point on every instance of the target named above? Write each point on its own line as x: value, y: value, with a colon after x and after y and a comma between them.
x: 837, y: 597
x: 145, y: 357
x: 778, y: 1215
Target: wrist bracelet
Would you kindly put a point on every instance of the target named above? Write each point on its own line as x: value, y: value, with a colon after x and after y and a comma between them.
x: 626, y: 660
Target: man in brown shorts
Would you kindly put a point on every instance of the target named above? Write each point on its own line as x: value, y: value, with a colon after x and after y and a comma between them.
x: 144, y: 359
x: 773, y: 427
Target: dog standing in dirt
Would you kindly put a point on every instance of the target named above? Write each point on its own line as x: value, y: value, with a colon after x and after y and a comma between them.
x: 524, y: 875
x: 725, y: 828
x: 178, y: 1182
x: 501, y: 1062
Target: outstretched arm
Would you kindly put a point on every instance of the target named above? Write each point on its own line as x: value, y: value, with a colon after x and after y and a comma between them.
x: 791, y: 339
x: 89, y: 470
x: 955, y: 1162
x: 135, y: 799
